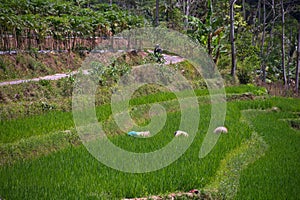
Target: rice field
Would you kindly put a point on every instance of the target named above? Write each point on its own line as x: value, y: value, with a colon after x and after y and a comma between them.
x: 41, y: 160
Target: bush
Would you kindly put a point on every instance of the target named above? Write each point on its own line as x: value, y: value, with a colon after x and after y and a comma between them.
x: 108, y: 75
x: 244, y: 76
x: 46, y: 106
x: 45, y: 83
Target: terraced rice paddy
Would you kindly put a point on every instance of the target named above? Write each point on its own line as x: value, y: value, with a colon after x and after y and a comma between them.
x: 42, y: 157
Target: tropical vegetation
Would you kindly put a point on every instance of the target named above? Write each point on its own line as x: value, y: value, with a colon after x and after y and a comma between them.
x: 255, y: 45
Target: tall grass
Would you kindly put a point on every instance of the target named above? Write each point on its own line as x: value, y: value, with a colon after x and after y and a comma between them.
x: 275, y: 175
x: 15, y: 129
x: 12, y: 130
x: 74, y: 174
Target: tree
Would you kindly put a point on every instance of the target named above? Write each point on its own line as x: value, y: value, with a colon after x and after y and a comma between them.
x: 283, y: 45
x: 244, y: 9
x: 157, y: 13
x: 263, y: 68
x: 296, y: 14
x: 233, y: 50
x: 187, y: 14
x: 65, y: 24
x: 298, y: 61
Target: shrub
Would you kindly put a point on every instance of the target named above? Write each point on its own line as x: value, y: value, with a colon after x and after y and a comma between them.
x: 244, y: 76
x: 46, y: 106
x: 44, y: 83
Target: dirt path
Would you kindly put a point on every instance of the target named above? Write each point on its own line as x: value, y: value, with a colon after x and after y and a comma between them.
x: 172, y: 59
x: 169, y: 60
x: 49, y: 77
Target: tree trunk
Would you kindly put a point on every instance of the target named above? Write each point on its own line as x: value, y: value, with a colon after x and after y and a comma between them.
x: 244, y: 9
x: 290, y: 56
x: 270, y: 43
x: 2, y: 37
x: 210, y: 34
x: 209, y: 40
x: 183, y: 6
x: 283, y: 46
x: 218, y: 50
x: 233, y: 51
x: 259, y: 11
x: 29, y: 39
x: 262, y: 54
x: 157, y: 13
x: 253, y: 29
x: 16, y: 39
x: 187, y: 13
x: 256, y: 23
x: 298, y: 60
x: 74, y: 41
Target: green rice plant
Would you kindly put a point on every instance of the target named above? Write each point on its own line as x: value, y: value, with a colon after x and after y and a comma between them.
x: 226, y: 181
x: 275, y: 175
x: 73, y: 173
x: 295, y: 124
x: 13, y: 130
x: 2, y: 65
x: 249, y: 88
x: 70, y: 172
x: 36, y: 146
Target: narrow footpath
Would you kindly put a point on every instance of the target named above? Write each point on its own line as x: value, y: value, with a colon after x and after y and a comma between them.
x: 168, y: 58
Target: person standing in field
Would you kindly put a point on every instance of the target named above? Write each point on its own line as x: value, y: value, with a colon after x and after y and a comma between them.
x: 158, y: 53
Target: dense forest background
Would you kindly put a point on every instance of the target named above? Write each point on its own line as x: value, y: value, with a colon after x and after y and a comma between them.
x: 249, y: 40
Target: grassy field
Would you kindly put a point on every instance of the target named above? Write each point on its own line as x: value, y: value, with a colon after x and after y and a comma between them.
x: 275, y: 175
x: 257, y: 159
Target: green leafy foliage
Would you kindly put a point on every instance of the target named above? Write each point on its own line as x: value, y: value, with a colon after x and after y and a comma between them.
x: 108, y: 75
x: 61, y: 20
x: 64, y: 169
